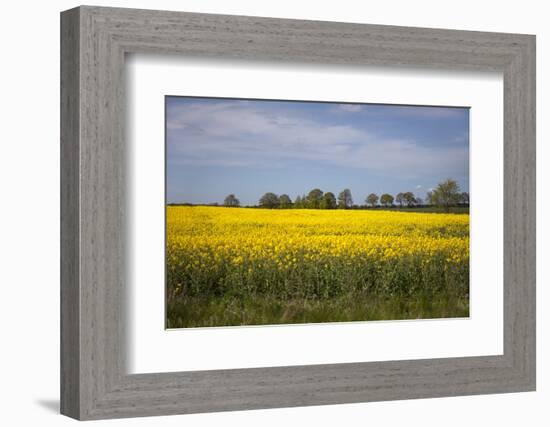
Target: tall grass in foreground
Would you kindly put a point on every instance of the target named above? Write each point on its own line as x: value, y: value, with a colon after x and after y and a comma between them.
x: 230, y: 266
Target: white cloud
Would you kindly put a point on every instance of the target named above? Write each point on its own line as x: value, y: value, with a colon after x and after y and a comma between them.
x: 244, y: 134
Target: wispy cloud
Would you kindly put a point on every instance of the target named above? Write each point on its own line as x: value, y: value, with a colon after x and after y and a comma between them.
x: 251, y: 134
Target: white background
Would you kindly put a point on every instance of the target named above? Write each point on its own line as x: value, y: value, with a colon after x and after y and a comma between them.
x: 153, y: 349
x: 29, y: 218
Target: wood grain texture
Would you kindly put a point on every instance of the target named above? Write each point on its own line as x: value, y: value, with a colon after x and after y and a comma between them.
x: 94, y: 380
x: 70, y: 220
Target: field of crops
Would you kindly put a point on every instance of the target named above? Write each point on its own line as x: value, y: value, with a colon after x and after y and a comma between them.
x: 243, y: 266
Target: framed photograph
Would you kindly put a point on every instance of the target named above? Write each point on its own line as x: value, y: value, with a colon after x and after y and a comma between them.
x: 255, y: 257
x: 261, y: 213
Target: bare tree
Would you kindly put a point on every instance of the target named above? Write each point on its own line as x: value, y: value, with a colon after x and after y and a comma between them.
x: 429, y: 197
x: 345, y: 201
x: 399, y: 199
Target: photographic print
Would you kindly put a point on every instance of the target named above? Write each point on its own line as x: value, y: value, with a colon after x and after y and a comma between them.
x: 287, y: 212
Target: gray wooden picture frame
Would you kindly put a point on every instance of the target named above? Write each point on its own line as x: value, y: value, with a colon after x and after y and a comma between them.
x: 94, y: 381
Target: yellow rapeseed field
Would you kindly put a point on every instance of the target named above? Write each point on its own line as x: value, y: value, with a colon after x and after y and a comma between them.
x: 240, y: 260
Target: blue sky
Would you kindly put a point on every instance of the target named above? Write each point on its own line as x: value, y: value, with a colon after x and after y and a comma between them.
x: 215, y: 147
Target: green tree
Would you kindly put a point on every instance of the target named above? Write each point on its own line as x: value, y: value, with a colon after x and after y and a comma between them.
x: 298, y: 203
x: 409, y: 199
x: 328, y: 201
x: 446, y: 194
x: 345, y: 201
x: 284, y: 201
x: 372, y: 199
x: 314, y: 198
x: 269, y: 200
x: 231, y: 201
x: 386, y: 199
x: 400, y: 199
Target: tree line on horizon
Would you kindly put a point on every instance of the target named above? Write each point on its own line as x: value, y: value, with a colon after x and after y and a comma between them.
x: 445, y: 195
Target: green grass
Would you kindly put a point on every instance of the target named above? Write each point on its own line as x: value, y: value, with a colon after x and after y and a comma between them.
x: 406, y: 288
x: 262, y: 310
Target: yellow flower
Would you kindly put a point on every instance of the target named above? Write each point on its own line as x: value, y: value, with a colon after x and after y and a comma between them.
x: 214, y: 238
